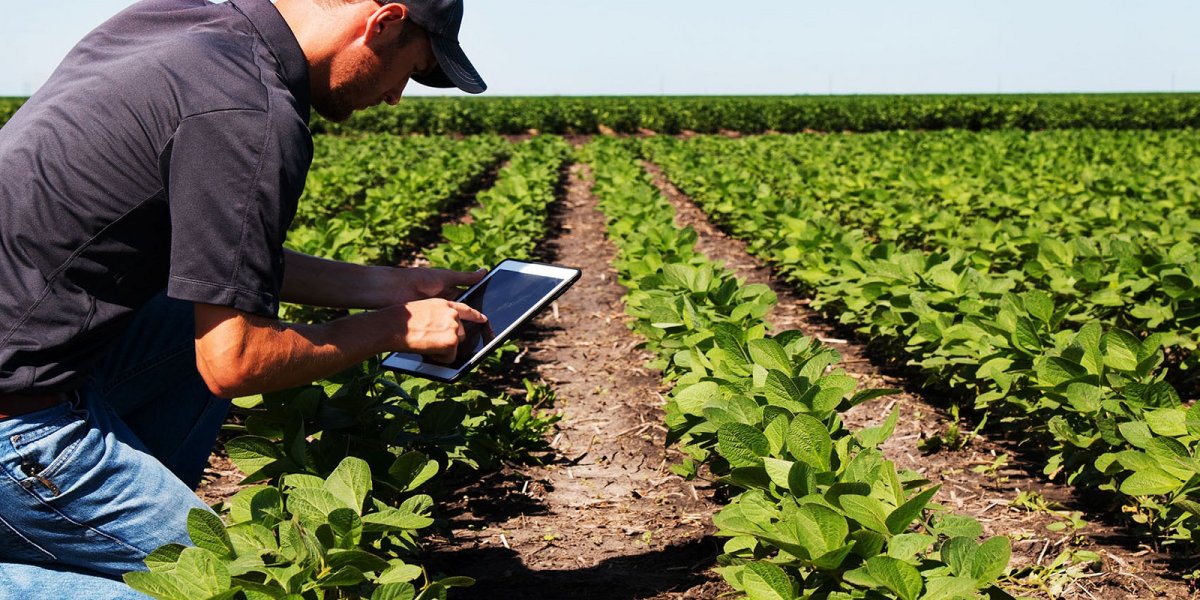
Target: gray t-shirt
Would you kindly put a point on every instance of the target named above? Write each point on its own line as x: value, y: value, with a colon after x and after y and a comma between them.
x: 167, y: 151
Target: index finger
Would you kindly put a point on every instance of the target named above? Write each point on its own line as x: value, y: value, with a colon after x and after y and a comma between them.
x: 466, y: 313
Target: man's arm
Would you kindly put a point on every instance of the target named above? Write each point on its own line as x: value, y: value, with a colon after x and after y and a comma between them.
x: 240, y: 354
x: 314, y: 281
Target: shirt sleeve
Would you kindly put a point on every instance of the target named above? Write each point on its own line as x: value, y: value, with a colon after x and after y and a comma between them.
x: 230, y: 207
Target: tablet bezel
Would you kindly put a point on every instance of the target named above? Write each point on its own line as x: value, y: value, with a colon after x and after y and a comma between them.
x: 565, y: 276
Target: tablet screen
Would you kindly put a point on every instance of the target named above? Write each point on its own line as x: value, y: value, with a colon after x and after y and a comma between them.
x: 504, y: 298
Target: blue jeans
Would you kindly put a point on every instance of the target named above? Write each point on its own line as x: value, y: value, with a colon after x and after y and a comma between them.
x: 89, y: 487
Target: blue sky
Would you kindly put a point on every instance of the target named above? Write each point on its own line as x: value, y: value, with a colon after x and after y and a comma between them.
x: 578, y: 47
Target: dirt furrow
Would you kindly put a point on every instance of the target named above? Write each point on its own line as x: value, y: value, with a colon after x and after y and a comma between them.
x: 985, y: 479
x: 607, y: 520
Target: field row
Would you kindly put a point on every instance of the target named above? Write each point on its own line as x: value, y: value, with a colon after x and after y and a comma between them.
x: 817, y: 511
x: 343, y: 474
x: 789, y: 114
x: 1059, y: 333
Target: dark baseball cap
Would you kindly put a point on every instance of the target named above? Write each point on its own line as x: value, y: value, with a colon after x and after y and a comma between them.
x: 442, y: 19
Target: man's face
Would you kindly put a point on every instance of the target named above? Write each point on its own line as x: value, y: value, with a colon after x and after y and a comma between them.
x: 376, y: 70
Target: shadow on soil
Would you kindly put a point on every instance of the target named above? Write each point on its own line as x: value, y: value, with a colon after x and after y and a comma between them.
x: 500, y: 573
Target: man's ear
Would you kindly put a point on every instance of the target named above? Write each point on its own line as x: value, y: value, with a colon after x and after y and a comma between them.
x: 386, y: 22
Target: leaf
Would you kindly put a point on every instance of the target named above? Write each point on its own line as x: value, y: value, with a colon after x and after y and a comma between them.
x: 412, y: 469
x: 1121, y: 350
x: 905, y: 514
x: 164, y: 558
x: 768, y: 354
x: 765, y: 581
x: 347, y: 526
x: 780, y: 390
x: 809, y: 441
x: 897, y: 576
x: 1150, y: 482
x: 251, y: 454
x: 350, y: 482
x: 207, y: 531
x: 819, y: 529
x: 907, y: 546
x: 950, y: 588
x: 312, y: 505
x: 742, y: 445
x: 867, y: 511
x: 991, y: 559
x: 395, y: 519
x: 692, y: 399
x: 395, y: 591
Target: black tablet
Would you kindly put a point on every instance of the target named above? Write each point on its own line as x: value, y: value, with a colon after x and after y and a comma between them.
x: 509, y: 295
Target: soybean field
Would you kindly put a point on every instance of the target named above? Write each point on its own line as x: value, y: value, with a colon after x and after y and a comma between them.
x: 929, y: 347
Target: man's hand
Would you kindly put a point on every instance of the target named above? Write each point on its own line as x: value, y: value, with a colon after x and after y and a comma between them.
x: 240, y: 354
x: 434, y: 327
x: 316, y: 281
x: 419, y: 283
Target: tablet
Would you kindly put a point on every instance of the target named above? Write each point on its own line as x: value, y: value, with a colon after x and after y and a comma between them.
x: 509, y: 295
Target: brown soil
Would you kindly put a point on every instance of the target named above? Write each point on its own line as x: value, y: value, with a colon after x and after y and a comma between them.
x: 1130, y: 569
x: 606, y: 520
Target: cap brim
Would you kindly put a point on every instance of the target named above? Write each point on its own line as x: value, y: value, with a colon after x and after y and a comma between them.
x: 454, y: 70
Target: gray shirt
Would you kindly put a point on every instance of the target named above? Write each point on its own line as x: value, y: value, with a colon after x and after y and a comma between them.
x: 167, y: 151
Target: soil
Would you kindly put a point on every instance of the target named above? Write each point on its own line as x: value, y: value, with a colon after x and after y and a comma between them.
x: 1130, y: 569
x: 607, y: 519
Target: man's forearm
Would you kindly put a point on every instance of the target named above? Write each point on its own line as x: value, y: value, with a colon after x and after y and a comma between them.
x: 248, y: 355
x: 314, y: 281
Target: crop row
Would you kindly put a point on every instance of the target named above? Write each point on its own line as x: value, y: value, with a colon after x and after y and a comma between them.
x: 819, y: 512
x: 1105, y: 222
x: 750, y: 114
x: 777, y: 113
x: 1033, y: 346
x: 369, y: 197
x: 345, y: 471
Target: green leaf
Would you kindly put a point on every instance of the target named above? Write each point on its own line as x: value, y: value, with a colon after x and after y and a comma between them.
x: 765, y: 581
x: 991, y: 559
x: 809, y: 441
x: 742, y: 445
x: 350, y: 482
x: 347, y: 526
x: 1150, y: 482
x: 868, y: 511
x: 819, y: 529
x: 906, y: 513
x: 164, y: 558
x: 950, y: 588
x: 897, y: 576
x: 768, y: 354
x: 782, y: 391
x: 1170, y: 422
x: 312, y: 505
x: 1121, y: 350
x: 412, y: 469
x: 207, y: 531
x: 906, y: 546
x: 691, y: 400
x: 395, y: 519
x: 395, y: 591
x: 251, y: 454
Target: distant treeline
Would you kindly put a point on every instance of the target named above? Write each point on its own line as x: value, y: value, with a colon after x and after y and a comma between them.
x: 755, y: 114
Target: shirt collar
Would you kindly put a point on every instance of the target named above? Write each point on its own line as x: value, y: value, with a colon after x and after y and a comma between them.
x: 279, y: 38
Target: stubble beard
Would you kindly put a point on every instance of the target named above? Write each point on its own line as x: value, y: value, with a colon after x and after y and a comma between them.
x: 351, y: 81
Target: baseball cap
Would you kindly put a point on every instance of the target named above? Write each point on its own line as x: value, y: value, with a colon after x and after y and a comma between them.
x: 442, y: 19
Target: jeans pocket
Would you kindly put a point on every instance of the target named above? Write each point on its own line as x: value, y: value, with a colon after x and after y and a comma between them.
x: 44, y: 452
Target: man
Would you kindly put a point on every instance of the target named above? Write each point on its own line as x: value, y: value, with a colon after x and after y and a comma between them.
x: 145, y: 193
